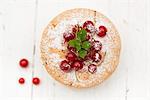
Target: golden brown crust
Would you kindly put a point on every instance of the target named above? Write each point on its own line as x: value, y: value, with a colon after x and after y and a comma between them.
x: 84, y: 78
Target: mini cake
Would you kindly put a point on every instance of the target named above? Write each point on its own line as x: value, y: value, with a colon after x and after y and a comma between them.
x: 80, y: 48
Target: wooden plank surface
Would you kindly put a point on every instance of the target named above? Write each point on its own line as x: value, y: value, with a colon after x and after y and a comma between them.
x: 17, y: 42
x: 137, y: 67
x: 21, y: 25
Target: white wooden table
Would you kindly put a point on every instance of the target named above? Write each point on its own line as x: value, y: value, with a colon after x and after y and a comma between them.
x: 21, y: 25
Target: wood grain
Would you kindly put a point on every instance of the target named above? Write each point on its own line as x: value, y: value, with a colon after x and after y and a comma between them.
x: 22, y: 23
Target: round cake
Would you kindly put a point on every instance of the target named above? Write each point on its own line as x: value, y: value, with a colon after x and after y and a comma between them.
x: 80, y: 48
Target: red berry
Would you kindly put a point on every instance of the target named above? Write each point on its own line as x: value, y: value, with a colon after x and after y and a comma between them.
x: 72, y: 49
x: 71, y: 56
x: 96, y: 57
x: 21, y: 80
x: 90, y: 55
x: 88, y: 26
x: 68, y: 36
x: 96, y: 45
x: 87, y: 57
x: 74, y: 30
x: 102, y: 31
x: 92, y: 68
x: 65, y: 66
x: 35, y: 80
x: 77, y: 65
x: 88, y: 37
x: 23, y: 63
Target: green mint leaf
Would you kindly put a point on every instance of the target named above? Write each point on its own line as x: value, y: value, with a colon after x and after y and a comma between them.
x: 72, y: 43
x: 78, y: 47
x: 81, y: 35
x: 75, y: 43
x: 82, y: 53
x: 78, y: 36
x: 86, y: 45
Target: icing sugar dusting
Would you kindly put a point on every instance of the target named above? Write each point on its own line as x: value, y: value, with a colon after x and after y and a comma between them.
x: 57, y: 33
x: 55, y: 57
x: 66, y: 26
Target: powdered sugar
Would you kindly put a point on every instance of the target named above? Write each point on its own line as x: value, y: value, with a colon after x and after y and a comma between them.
x: 56, y: 34
x: 66, y: 26
x: 55, y: 58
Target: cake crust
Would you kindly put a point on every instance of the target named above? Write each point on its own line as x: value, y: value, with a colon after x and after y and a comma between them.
x: 83, y: 78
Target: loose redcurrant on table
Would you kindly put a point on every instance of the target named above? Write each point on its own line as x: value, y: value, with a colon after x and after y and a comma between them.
x: 23, y: 62
x: 21, y: 80
x: 35, y: 80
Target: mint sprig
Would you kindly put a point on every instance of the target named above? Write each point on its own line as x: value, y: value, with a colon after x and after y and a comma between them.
x: 75, y: 43
x: 86, y: 45
x: 81, y: 35
x: 82, y: 53
x: 80, y: 43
